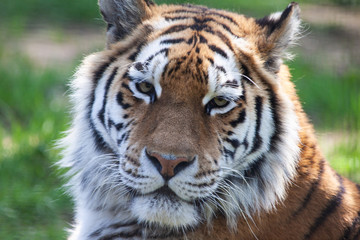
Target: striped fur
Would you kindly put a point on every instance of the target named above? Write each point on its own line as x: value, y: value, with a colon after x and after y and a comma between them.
x: 254, y: 170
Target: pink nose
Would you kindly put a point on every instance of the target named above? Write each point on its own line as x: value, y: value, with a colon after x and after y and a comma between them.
x: 169, y: 167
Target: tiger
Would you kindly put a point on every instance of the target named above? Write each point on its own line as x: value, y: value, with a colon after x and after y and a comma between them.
x: 188, y: 126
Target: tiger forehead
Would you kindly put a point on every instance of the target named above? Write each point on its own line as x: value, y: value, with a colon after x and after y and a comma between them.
x: 191, y: 48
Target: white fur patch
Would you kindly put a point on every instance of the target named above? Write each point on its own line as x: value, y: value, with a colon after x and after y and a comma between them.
x: 164, y: 211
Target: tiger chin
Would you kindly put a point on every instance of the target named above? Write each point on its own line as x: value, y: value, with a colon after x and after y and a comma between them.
x: 187, y: 126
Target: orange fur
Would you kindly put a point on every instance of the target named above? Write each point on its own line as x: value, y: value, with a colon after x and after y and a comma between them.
x: 318, y: 204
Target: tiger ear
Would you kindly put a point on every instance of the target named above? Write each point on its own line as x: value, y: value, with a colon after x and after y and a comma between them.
x: 123, y: 16
x: 280, y: 31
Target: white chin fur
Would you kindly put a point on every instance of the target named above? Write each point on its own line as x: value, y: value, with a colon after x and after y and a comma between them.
x: 164, y: 211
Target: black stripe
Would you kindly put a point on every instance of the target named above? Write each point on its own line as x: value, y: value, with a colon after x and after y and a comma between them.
x: 224, y: 16
x: 176, y: 28
x: 245, y: 144
x: 243, y: 93
x: 113, y: 226
x: 120, y: 101
x: 354, y: 225
x: 225, y: 40
x: 245, y: 72
x: 202, y: 39
x: 240, y: 119
x: 191, y: 40
x: 254, y: 170
x: 122, y: 224
x: 135, y: 233
x: 234, y: 142
x: 184, y: 11
x: 332, y: 205
x: 119, y: 126
x: 229, y: 153
x: 99, y: 141
x: 172, y: 41
x: 176, y: 18
x: 195, y: 27
x: 164, y: 72
x: 349, y: 230
x: 110, y: 123
x: 164, y: 50
x: 133, y: 56
x: 357, y: 235
x: 257, y: 141
x: 231, y: 83
x: 100, y: 71
x: 226, y: 28
x: 124, y: 85
x: 107, y: 86
x: 96, y: 233
x: 124, y: 137
x: 220, y: 68
x: 313, y: 187
x: 274, y: 106
x: 218, y: 50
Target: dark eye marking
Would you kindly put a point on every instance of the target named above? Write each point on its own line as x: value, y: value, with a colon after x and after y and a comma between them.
x: 240, y: 119
x: 221, y: 68
x: 120, y: 101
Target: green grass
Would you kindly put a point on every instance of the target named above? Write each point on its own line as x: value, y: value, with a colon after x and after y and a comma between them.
x: 18, y: 14
x: 345, y: 157
x: 332, y: 100
x: 32, y: 115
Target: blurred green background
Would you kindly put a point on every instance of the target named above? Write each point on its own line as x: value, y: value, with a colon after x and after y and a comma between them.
x: 42, y: 42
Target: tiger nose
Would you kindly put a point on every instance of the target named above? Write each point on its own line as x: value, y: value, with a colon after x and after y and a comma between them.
x: 169, y: 166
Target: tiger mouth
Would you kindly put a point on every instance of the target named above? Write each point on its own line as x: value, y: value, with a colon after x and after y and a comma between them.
x: 165, y: 193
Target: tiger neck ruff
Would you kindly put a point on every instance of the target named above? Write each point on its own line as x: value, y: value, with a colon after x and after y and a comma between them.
x: 188, y: 127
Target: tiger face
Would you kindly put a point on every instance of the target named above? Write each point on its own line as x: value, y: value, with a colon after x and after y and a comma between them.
x: 183, y: 116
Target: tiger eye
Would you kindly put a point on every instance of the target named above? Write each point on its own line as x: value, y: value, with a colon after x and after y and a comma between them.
x: 220, y: 102
x: 145, y: 87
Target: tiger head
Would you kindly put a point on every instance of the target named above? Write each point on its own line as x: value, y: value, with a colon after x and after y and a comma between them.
x: 183, y: 116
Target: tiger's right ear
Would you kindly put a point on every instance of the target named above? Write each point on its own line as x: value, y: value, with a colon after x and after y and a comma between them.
x: 123, y: 16
x: 279, y: 31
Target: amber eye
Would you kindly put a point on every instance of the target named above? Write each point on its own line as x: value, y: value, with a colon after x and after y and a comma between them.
x: 148, y: 89
x: 145, y: 87
x: 216, y: 102
x: 220, y: 102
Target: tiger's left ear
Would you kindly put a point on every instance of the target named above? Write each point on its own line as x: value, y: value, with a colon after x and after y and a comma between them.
x: 123, y: 16
x: 279, y: 31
